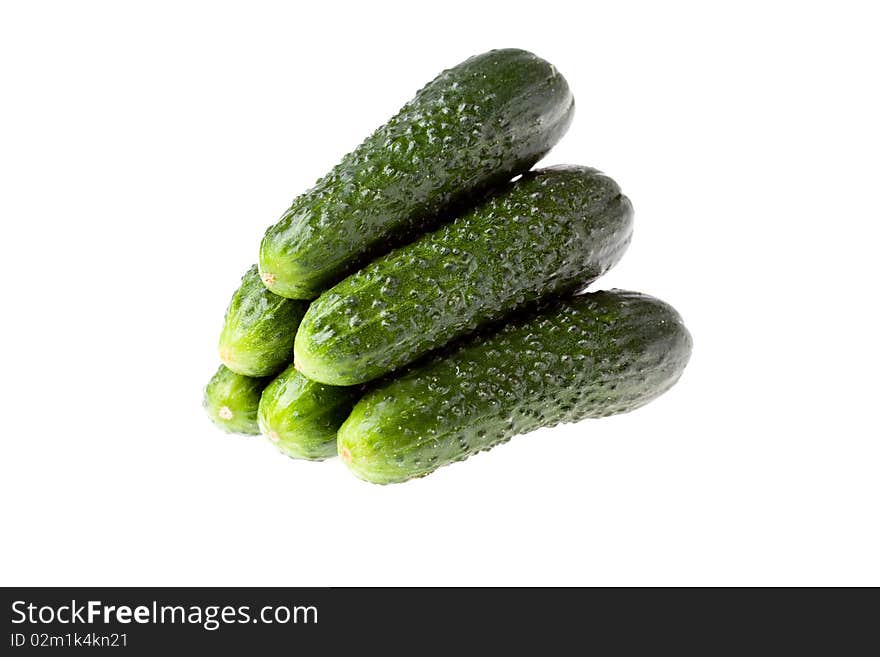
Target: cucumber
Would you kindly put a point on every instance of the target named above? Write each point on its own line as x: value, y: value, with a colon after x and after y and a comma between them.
x: 474, y: 126
x: 231, y: 400
x: 258, y: 330
x: 588, y: 356
x: 551, y: 232
x: 302, y: 416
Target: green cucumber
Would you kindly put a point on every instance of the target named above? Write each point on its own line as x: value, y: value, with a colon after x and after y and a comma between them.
x: 259, y: 328
x: 302, y: 416
x: 231, y: 400
x: 589, y: 356
x: 550, y: 232
x: 476, y: 125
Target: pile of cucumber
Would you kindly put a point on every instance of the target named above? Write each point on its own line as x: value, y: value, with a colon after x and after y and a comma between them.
x: 423, y: 301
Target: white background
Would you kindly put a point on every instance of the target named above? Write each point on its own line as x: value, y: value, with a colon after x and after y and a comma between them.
x: 144, y: 148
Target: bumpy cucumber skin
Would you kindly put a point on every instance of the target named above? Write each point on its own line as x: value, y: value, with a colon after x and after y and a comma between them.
x: 231, y: 401
x: 590, y: 356
x: 474, y: 126
x: 259, y: 328
x: 301, y: 416
x: 551, y: 232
